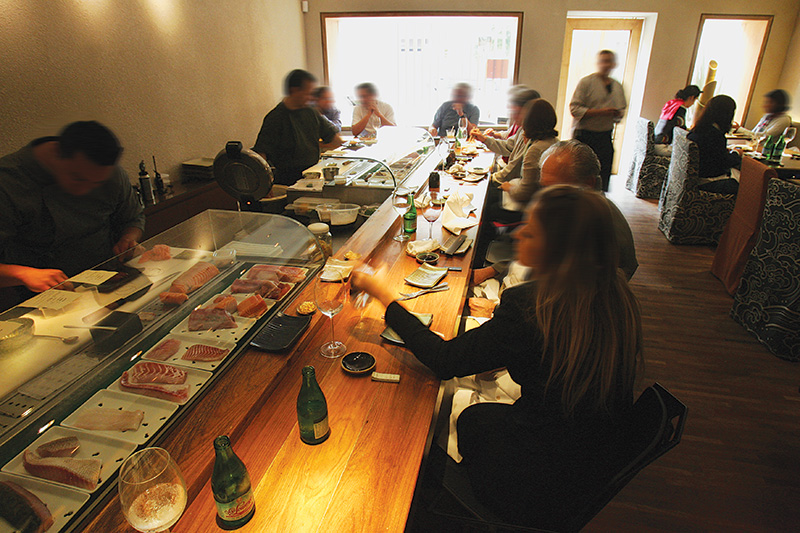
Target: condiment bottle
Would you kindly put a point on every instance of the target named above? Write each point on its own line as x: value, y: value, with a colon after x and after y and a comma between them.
x: 322, y: 232
x: 230, y: 484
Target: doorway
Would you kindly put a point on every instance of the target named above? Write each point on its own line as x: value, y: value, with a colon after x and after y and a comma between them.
x: 584, y: 38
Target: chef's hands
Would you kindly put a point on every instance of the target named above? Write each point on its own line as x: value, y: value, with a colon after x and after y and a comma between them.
x: 40, y: 279
x: 376, y: 285
x: 127, y: 242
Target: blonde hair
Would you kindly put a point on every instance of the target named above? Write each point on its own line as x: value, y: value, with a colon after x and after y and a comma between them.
x: 589, y: 318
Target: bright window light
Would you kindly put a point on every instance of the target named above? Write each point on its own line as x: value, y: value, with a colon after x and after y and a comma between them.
x: 415, y: 61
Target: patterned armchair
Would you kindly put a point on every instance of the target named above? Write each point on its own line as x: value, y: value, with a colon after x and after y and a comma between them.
x: 648, y: 170
x: 688, y: 214
x: 767, y: 302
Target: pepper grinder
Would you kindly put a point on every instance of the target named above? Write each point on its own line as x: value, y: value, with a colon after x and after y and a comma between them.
x: 145, y: 185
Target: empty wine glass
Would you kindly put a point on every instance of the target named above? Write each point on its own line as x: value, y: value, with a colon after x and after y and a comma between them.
x: 789, y: 134
x: 330, y: 297
x: 152, y: 492
x: 432, y: 210
x: 401, y: 205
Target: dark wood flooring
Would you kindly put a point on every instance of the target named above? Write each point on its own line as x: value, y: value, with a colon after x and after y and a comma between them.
x: 738, y: 465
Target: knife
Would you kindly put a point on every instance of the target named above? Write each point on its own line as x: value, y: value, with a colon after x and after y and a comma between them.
x: 455, y: 244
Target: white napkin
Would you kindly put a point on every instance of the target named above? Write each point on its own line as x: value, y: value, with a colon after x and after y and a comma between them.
x: 456, y: 210
x: 418, y: 247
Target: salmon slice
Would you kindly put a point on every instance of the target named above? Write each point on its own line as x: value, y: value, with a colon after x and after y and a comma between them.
x: 63, y: 447
x: 252, y: 306
x: 109, y: 419
x: 166, y: 349
x: 81, y: 473
x: 194, y: 278
x: 202, y: 352
x: 274, y: 290
x: 210, y: 319
x: 173, y: 298
x: 226, y: 302
x: 159, y: 252
x: 247, y: 285
x: 152, y: 372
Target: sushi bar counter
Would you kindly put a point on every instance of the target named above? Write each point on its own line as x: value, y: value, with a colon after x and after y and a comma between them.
x: 164, y: 358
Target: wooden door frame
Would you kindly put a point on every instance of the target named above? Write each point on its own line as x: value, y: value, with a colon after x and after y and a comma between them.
x: 634, y: 25
x: 719, y: 16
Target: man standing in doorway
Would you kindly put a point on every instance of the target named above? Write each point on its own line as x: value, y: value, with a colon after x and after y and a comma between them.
x: 597, y: 105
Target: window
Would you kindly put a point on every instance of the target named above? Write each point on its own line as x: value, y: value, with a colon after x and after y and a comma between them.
x: 415, y: 59
x: 728, y: 56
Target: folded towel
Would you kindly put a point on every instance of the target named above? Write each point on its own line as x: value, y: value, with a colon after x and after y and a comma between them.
x: 456, y: 212
x: 418, y: 247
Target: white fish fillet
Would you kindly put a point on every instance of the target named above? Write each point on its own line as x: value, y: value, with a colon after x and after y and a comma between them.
x: 108, y: 419
x: 82, y: 473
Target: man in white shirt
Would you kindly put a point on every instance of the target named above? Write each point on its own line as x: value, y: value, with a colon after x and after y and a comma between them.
x: 597, y: 105
x: 371, y: 113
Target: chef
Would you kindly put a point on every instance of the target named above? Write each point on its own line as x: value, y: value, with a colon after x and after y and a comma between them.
x: 67, y: 206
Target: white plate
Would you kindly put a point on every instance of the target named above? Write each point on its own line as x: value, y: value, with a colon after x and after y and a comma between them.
x: 185, y: 344
x: 62, y: 502
x: 194, y: 377
x: 224, y: 335
x: 110, y: 451
x: 472, y: 178
x: 156, y: 413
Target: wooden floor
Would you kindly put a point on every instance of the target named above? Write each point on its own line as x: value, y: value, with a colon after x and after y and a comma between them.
x: 738, y: 465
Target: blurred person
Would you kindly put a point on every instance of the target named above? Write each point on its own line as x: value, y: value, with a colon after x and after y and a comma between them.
x: 501, y: 146
x: 716, y: 161
x: 370, y: 113
x: 673, y: 115
x: 67, y: 206
x: 515, y: 105
x: 451, y: 112
x: 597, y: 105
x: 326, y: 105
x: 775, y: 119
x: 292, y: 134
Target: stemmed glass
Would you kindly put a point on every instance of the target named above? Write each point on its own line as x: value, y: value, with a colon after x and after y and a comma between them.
x: 401, y: 205
x: 152, y: 492
x: 789, y: 134
x: 330, y: 297
x: 432, y: 210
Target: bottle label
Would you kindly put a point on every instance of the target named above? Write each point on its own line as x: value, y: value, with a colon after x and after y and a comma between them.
x: 321, y: 428
x: 237, y: 509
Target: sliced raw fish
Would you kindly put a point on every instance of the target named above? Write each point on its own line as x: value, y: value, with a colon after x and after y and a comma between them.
x: 226, y: 302
x: 166, y: 349
x: 247, y: 285
x: 63, y: 447
x: 171, y: 393
x: 194, y: 278
x: 108, y: 419
x: 210, y: 319
x: 152, y: 372
x: 277, y: 273
x: 252, y: 306
x: 291, y: 274
x: 23, y: 509
x: 159, y: 252
x: 274, y: 290
x: 173, y: 298
x: 263, y: 272
x: 81, y: 473
x: 202, y: 352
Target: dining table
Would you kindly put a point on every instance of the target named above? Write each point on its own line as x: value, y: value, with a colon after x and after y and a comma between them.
x: 363, y: 477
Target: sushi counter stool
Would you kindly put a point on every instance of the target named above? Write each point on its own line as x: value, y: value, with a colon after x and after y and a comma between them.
x: 654, y: 427
x: 744, y: 224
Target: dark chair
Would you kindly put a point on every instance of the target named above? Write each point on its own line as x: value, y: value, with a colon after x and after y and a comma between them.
x: 648, y: 169
x: 654, y: 426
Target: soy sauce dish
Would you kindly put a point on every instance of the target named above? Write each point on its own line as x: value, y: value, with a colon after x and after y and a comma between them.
x: 358, y: 363
x: 427, y: 257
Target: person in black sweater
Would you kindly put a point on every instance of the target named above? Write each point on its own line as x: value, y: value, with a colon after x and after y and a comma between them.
x: 674, y: 113
x: 571, y: 337
x: 716, y: 160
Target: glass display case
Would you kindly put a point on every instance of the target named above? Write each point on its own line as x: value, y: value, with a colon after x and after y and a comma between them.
x: 134, y: 341
x: 366, y: 171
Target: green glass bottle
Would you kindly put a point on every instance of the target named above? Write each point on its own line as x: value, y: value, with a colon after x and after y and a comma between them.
x: 410, y: 217
x: 312, y: 410
x: 766, y: 152
x: 777, y: 150
x: 230, y: 484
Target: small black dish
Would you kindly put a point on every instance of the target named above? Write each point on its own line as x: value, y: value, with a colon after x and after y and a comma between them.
x: 428, y: 257
x: 358, y: 363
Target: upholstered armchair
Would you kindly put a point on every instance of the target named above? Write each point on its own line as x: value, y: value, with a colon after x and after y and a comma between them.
x: 648, y: 170
x: 690, y: 215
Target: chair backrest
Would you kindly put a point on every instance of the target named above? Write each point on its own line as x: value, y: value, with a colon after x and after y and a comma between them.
x: 645, y: 136
x: 654, y: 427
x: 752, y: 193
x: 684, y: 169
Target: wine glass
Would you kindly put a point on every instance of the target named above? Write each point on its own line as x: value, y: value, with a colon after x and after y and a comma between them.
x: 432, y: 210
x: 401, y: 204
x: 330, y: 297
x: 789, y: 134
x: 152, y: 492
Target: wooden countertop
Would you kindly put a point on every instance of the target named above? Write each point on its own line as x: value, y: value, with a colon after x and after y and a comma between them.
x: 363, y: 476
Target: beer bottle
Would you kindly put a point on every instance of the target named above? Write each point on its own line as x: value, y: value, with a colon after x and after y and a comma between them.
x: 312, y: 410
x: 410, y: 218
x: 777, y: 150
x: 769, y: 144
x: 230, y: 484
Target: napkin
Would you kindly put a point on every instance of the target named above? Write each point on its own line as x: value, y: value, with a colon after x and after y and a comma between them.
x: 418, y: 247
x: 335, y: 269
x: 456, y: 210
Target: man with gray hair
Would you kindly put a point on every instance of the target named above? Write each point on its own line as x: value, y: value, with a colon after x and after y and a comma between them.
x: 451, y: 112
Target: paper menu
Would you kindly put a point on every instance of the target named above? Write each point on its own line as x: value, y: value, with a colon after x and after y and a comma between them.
x: 93, y: 277
x: 52, y: 299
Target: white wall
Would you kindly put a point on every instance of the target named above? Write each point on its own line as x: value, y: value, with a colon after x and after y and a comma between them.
x: 790, y: 78
x: 174, y: 78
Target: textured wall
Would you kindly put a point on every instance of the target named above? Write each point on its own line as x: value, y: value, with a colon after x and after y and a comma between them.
x: 790, y: 78
x: 174, y: 78
x: 544, y: 27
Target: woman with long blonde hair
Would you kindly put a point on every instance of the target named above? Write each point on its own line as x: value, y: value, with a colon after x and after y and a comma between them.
x: 571, y: 337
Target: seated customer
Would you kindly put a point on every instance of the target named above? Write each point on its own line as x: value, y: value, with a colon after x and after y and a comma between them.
x: 775, y: 119
x: 324, y: 103
x: 716, y: 160
x: 571, y: 338
x: 504, y: 146
x: 514, y: 110
x: 370, y: 113
x: 673, y: 115
x: 292, y: 134
x: 451, y: 112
